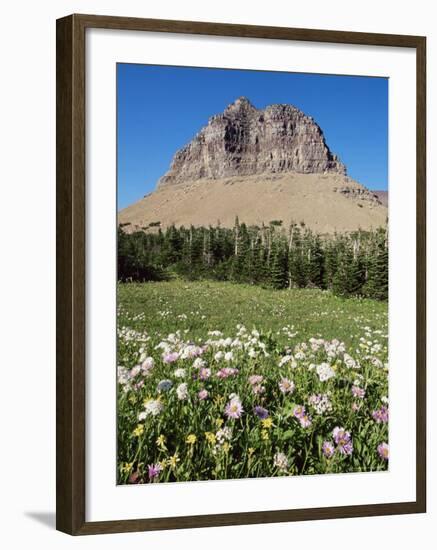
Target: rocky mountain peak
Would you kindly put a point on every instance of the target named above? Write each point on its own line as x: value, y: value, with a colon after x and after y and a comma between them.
x: 240, y: 107
x: 244, y: 140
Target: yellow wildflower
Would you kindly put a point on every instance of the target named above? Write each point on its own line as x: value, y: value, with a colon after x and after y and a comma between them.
x: 250, y: 451
x: 173, y: 460
x: 267, y: 423
x: 210, y: 437
x: 126, y: 467
x: 191, y: 439
x: 139, y: 430
x: 264, y: 435
x: 219, y: 422
x: 226, y: 447
x: 160, y: 442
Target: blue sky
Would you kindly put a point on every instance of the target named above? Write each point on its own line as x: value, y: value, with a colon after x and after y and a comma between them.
x: 160, y: 109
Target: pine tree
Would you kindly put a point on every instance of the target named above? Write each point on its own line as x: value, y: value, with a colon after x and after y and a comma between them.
x: 242, y: 264
x: 258, y: 262
x: 342, y: 278
x: 278, y: 267
x: 331, y: 262
x: 316, y: 264
x: 296, y: 262
x: 376, y: 286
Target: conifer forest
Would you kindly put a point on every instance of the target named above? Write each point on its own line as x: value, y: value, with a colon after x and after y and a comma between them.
x: 273, y: 256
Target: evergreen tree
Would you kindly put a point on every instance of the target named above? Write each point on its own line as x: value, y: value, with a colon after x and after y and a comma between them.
x: 342, y: 279
x: 316, y: 264
x: 258, y: 263
x: 296, y: 262
x: 278, y: 268
x: 376, y: 286
x: 349, y: 277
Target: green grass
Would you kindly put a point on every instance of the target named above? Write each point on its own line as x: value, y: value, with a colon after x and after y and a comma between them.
x: 268, y: 333
x: 221, y: 306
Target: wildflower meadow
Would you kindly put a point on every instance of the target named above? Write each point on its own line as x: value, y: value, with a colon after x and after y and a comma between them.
x: 225, y: 381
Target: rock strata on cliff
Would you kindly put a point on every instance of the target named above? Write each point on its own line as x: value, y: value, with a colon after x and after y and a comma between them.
x: 244, y: 141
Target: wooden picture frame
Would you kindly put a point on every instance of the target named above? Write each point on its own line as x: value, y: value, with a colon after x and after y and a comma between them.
x: 71, y: 253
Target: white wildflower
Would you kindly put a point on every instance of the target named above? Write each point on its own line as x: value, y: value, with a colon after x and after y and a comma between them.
x: 325, y: 372
x: 182, y: 391
x: 147, y: 365
x: 224, y: 434
x: 199, y: 363
x: 153, y: 407
x: 280, y: 461
x: 286, y: 359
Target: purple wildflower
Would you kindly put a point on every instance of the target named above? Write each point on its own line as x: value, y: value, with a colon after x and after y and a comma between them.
x: 304, y: 418
x: 255, y: 379
x: 234, y: 409
x: 258, y: 389
x: 154, y: 470
x: 346, y: 448
x: 340, y: 434
x: 305, y: 421
x: 381, y: 415
x: 261, y: 412
x: 328, y: 449
x: 286, y: 385
x: 299, y: 411
x: 383, y: 450
x: 204, y: 373
x: 203, y: 394
x: 358, y: 392
x: 343, y: 440
x: 226, y: 372
x: 171, y: 357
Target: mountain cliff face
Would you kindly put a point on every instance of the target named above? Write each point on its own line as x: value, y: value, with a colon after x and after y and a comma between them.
x: 260, y: 165
x: 244, y: 141
x: 382, y: 196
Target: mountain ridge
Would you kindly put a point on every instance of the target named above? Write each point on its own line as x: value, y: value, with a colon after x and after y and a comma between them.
x: 244, y: 140
x: 260, y: 165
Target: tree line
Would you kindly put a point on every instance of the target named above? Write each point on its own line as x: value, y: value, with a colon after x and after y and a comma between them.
x: 349, y: 264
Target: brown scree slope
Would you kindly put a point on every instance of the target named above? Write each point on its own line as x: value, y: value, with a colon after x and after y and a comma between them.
x: 325, y: 202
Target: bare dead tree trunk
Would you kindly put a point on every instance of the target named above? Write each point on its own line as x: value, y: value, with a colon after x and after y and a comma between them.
x: 269, y: 244
x: 355, y: 249
x: 290, y: 246
x: 191, y: 244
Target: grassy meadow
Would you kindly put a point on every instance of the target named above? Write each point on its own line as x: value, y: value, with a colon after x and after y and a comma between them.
x: 222, y: 381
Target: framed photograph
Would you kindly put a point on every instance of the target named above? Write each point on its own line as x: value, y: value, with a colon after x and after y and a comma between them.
x: 240, y: 274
